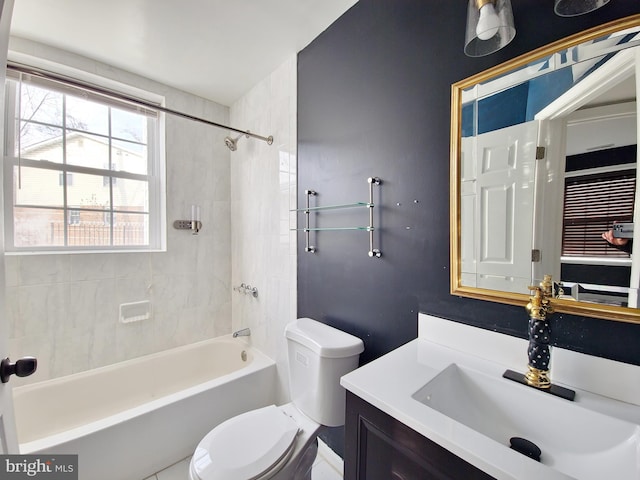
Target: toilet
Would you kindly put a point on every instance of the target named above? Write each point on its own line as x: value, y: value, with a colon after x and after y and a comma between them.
x: 279, y: 442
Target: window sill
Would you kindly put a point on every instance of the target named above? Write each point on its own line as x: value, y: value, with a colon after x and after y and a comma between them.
x: 74, y: 252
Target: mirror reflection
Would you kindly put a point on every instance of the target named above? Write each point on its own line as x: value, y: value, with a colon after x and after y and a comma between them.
x: 544, y: 175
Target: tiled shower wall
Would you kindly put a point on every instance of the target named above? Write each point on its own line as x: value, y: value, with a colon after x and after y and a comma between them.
x: 64, y: 309
x: 263, y: 190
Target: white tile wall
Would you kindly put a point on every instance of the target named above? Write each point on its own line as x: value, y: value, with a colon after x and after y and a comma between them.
x: 263, y: 186
x: 64, y: 308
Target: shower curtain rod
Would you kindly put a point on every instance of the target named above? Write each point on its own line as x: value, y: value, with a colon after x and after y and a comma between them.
x: 126, y: 98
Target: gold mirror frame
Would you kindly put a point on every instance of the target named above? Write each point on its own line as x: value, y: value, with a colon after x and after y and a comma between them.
x: 623, y: 314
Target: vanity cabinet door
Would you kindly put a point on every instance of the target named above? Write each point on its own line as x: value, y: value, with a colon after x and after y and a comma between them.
x: 378, y: 447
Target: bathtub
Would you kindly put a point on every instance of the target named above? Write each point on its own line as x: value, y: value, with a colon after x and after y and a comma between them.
x: 129, y: 420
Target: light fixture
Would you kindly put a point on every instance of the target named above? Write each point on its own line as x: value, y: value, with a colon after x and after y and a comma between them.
x: 571, y: 8
x: 489, y: 27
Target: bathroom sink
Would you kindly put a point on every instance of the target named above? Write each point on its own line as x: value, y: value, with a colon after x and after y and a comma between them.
x: 574, y: 440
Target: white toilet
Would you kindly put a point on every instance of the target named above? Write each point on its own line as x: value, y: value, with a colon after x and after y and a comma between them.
x: 279, y: 443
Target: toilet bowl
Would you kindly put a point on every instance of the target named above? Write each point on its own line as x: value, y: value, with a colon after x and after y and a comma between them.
x: 276, y: 443
x: 279, y: 443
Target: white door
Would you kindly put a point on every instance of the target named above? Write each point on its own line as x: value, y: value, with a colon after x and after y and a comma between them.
x: 634, y: 283
x: 8, y: 439
x: 468, y: 237
x: 505, y: 167
x: 548, y: 208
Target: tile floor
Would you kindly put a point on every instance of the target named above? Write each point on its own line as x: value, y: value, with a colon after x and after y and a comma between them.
x: 323, y: 469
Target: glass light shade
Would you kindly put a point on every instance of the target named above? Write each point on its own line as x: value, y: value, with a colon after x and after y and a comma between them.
x: 571, y: 8
x: 489, y: 27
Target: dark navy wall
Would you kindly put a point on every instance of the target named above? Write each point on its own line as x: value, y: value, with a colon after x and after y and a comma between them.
x: 374, y: 100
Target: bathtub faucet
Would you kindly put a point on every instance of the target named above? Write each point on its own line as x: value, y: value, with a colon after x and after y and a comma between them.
x: 245, y: 332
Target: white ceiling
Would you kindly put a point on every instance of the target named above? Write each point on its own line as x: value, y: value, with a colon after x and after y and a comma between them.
x: 217, y: 49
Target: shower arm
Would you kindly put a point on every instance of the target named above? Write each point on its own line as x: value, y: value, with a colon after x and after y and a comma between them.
x: 126, y: 98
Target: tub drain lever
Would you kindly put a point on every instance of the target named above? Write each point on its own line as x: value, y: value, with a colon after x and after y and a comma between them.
x: 22, y: 368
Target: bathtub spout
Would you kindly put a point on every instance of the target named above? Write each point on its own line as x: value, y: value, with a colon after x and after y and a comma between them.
x: 245, y: 332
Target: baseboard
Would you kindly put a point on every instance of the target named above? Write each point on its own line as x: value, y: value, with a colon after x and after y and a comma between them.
x: 331, y: 457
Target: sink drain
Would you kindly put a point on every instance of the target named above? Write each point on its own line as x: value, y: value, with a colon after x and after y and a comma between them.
x: 525, y: 447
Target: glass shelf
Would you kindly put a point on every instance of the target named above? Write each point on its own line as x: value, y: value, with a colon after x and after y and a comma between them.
x: 308, y: 209
x: 333, y: 207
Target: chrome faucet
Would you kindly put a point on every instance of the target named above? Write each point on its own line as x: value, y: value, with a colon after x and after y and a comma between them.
x: 245, y: 332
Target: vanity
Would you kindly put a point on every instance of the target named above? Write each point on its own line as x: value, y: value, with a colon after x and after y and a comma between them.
x: 438, y: 408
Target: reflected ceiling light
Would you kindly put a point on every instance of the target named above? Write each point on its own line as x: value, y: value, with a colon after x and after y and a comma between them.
x: 489, y: 27
x: 571, y: 8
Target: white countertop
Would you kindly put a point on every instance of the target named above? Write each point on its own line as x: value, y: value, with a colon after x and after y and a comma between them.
x: 389, y: 382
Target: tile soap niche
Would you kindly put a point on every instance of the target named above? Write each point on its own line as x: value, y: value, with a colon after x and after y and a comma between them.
x: 135, y: 311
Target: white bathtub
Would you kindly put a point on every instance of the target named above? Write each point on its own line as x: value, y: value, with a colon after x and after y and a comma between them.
x: 132, y: 419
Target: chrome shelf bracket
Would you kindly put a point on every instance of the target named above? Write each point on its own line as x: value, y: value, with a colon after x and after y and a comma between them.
x: 307, y: 245
x: 373, y: 252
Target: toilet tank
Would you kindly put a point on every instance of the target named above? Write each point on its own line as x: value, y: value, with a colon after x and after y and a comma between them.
x: 318, y: 356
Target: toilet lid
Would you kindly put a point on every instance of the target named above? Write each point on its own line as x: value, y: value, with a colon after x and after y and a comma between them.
x: 246, y: 446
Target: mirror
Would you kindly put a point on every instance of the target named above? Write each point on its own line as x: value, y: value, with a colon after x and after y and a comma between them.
x: 543, y: 162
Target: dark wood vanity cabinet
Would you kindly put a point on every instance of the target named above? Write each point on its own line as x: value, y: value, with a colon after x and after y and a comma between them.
x: 378, y: 447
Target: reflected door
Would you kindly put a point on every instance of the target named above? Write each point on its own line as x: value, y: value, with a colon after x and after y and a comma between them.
x: 634, y: 284
x: 497, y: 209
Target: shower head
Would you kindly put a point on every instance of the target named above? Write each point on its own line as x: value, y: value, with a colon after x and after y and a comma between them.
x: 232, y: 143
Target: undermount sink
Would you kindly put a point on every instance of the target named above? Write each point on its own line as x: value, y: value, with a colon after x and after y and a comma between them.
x: 574, y: 440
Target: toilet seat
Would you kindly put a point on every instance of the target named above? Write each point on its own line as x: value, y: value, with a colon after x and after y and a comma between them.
x: 250, y: 446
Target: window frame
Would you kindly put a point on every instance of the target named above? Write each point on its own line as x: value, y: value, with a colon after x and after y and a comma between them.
x: 155, y: 176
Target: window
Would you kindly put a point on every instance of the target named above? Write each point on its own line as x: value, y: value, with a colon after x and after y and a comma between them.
x: 109, y: 218
x: 69, y: 179
x: 92, y: 159
x: 74, y: 217
x: 592, y: 203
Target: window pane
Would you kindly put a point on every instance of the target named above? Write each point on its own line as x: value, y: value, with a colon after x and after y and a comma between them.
x: 40, y: 105
x: 39, y: 142
x: 591, y: 205
x: 87, y: 150
x: 40, y: 187
x: 87, y: 116
x: 131, y: 229
x: 129, y: 157
x: 38, y: 227
x: 88, y: 230
x: 131, y: 195
x: 128, y: 125
x: 88, y: 191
